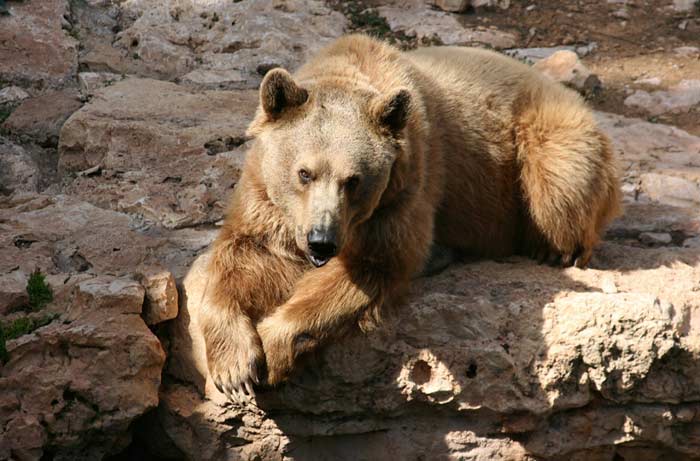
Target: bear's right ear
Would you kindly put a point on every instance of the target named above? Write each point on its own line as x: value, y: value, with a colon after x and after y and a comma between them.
x: 278, y: 92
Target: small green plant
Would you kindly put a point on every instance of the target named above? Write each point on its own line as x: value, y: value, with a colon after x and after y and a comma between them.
x: 20, y: 327
x: 74, y: 32
x: 366, y: 19
x: 4, y: 355
x: 4, y: 113
x: 40, y: 293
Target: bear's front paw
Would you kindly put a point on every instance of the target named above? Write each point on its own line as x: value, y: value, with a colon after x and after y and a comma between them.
x: 282, y: 344
x: 235, y: 366
x: 277, y: 344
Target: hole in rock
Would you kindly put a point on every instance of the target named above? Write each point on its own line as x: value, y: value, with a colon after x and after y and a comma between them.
x: 471, y: 371
x: 421, y: 372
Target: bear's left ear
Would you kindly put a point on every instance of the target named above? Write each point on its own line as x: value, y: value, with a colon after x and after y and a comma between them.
x: 391, y: 112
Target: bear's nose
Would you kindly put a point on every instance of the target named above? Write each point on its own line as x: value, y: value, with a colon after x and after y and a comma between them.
x: 322, y: 243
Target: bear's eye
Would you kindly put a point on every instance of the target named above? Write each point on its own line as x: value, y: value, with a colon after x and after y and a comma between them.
x: 351, y: 183
x: 304, y: 176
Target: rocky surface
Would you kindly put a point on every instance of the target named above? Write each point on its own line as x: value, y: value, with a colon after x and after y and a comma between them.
x: 660, y: 163
x: 428, y: 26
x: 39, y: 119
x: 534, y: 55
x: 206, y: 44
x: 18, y: 170
x: 122, y: 130
x: 498, y: 360
x: 164, y: 152
x: 36, y: 51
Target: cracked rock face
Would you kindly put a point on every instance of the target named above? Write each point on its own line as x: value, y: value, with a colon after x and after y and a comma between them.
x: 72, y: 388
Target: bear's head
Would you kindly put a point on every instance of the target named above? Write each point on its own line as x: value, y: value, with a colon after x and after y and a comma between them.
x: 328, y: 148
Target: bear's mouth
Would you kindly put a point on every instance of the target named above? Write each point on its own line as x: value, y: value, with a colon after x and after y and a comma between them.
x: 317, y: 260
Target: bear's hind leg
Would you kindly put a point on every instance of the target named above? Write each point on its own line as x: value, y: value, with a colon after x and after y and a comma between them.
x: 568, y: 179
x: 440, y: 258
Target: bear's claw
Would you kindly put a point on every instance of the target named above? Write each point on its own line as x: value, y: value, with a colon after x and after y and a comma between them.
x: 235, y: 372
x: 238, y: 389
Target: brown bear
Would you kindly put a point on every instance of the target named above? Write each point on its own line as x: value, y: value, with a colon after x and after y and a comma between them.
x: 366, y: 159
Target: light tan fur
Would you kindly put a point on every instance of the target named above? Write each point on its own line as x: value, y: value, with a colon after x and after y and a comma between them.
x: 458, y: 147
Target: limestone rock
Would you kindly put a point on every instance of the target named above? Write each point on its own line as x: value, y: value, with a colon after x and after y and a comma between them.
x: 678, y: 98
x: 565, y: 67
x: 693, y: 242
x: 72, y: 388
x: 663, y: 160
x: 217, y: 79
x: 35, y: 50
x: 453, y: 6
x: 651, y: 81
x: 167, y: 154
x: 533, y: 55
x: 90, y: 82
x: 18, y: 170
x: 644, y: 145
x: 687, y: 51
x: 40, y: 119
x: 428, y: 26
x: 13, y: 291
x: 622, y: 13
x: 63, y: 235
x: 233, y: 42
x: 671, y: 190
x: 161, y: 296
x: 655, y: 238
x: 12, y: 95
x: 684, y: 5
x: 502, y: 4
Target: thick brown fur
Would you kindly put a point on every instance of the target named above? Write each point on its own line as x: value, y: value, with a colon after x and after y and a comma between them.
x: 459, y: 147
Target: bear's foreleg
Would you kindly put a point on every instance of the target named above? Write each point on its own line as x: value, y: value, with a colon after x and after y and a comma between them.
x: 325, y: 302
x: 245, y: 282
x: 350, y: 288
